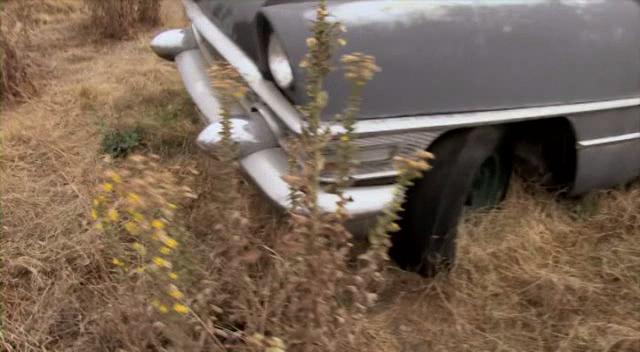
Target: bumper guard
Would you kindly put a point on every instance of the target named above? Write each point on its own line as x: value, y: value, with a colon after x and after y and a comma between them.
x: 256, y: 133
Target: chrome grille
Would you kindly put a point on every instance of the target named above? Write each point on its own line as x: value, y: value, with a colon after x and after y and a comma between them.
x: 406, y: 144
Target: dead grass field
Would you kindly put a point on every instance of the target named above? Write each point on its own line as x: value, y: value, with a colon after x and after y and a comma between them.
x: 542, y: 274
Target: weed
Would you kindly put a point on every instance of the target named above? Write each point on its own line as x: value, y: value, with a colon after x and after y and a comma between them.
x: 120, y: 143
x: 135, y: 209
x: 163, y: 124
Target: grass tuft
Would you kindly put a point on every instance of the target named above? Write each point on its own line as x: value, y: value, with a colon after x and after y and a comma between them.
x: 117, y: 19
x: 16, y: 65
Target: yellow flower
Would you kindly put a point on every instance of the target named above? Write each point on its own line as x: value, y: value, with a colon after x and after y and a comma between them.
x: 393, y: 227
x: 134, y: 199
x: 94, y: 214
x: 117, y: 262
x: 142, y: 250
x: 116, y: 178
x: 113, y: 215
x: 165, y: 250
x: 137, y: 216
x: 99, y: 226
x: 312, y: 42
x: 160, y: 235
x: 175, y: 293
x: 158, y: 224
x: 277, y: 342
x: 171, y: 243
x: 173, y: 276
x: 181, y: 308
x: 107, y: 187
x: 274, y: 349
x: 140, y: 270
x: 425, y: 155
x: 159, y: 306
x: 132, y: 228
x: 161, y: 262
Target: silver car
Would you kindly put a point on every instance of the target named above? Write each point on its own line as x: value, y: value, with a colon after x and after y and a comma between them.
x: 553, y: 85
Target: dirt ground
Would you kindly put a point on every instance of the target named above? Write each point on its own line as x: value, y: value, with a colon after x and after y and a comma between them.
x: 543, y: 273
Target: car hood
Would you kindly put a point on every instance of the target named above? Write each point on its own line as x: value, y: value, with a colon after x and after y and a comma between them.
x: 459, y: 55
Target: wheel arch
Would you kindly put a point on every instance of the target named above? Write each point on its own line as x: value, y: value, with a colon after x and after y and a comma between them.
x: 543, y: 149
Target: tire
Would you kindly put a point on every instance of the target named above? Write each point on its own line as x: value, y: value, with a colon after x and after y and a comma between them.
x: 427, y: 242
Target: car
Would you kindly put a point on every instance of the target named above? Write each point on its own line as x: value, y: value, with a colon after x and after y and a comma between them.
x: 480, y: 84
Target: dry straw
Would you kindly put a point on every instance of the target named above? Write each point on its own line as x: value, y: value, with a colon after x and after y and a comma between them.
x: 16, y: 64
x: 117, y: 19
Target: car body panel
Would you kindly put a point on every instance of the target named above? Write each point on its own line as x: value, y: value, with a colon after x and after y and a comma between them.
x: 608, y: 148
x: 462, y: 55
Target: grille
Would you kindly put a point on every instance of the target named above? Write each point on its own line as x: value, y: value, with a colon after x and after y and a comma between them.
x: 404, y: 144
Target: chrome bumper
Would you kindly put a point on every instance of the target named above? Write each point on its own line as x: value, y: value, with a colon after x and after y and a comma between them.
x: 266, y: 168
x: 256, y: 132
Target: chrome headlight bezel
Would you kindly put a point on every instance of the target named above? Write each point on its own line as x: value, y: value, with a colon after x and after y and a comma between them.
x: 278, y: 62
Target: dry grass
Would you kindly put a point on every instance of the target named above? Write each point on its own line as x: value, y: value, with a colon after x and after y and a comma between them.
x: 16, y: 64
x: 540, y: 275
x: 117, y: 19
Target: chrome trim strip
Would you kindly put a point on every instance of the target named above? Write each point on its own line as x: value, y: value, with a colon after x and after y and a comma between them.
x: 245, y: 67
x: 364, y: 176
x: 623, y: 138
x: 469, y: 119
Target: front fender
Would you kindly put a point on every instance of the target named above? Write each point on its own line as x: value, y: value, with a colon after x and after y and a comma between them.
x: 466, y: 55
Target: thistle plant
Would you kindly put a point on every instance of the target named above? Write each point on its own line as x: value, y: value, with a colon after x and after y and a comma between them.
x: 314, y: 138
x: 359, y: 71
x: 227, y: 82
x: 327, y: 241
x: 324, y: 291
x: 409, y: 169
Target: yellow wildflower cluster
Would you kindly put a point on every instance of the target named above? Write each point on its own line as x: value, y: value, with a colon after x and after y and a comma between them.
x: 134, y: 209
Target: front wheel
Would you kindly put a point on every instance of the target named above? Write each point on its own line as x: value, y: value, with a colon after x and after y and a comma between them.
x: 471, y: 171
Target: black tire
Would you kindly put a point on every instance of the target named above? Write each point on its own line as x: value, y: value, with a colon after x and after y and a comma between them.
x: 427, y: 242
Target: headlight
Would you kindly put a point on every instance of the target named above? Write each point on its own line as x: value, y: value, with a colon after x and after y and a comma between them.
x: 279, y: 64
